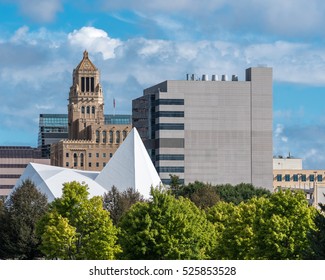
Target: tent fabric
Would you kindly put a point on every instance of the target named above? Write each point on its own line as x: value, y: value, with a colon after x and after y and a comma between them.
x: 130, y: 167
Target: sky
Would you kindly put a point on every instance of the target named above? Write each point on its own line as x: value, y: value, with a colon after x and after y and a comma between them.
x: 137, y: 44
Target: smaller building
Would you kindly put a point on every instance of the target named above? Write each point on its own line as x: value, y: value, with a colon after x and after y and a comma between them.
x: 288, y: 173
x: 13, y: 161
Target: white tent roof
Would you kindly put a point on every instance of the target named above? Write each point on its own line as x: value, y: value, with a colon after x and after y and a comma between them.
x: 50, y: 179
x: 130, y: 167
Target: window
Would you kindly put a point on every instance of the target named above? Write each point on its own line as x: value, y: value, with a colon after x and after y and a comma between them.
x: 92, y: 84
x: 279, y: 177
x: 311, y: 177
x: 104, y: 136
x: 97, y: 164
x: 110, y: 155
x: 104, y: 164
x: 118, y: 136
x: 170, y: 157
x: 89, y: 154
x: 170, y: 169
x: 170, y: 126
x: 81, y: 159
x: 171, y: 114
x: 295, y: 178
x: 104, y: 155
x: 67, y: 164
x: 88, y: 110
x: 66, y: 154
x: 97, y: 155
x: 169, y: 102
x: 97, y: 136
x: 93, y: 110
x: 303, y: 178
x: 75, y: 160
x: 83, y: 109
x: 287, y: 178
x: 82, y: 84
x: 124, y: 134
x: 89, y: 164
x: 320, y: 178
x: 111, y: 136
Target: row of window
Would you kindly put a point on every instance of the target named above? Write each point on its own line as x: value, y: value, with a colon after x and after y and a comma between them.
x: 101, y: 136
x: 79, y: 160
x: 170, y: 169
x: 9, y: 176
x: 87, y: 84
x: 90, y: 164
x: 89, y: 155
x: 169, y: 157
x: 169, y: 102
x: 170, y: 126
x: 170, y: 114
x: 12, y: 165
x: 297, y: 177
x: 87, y: 109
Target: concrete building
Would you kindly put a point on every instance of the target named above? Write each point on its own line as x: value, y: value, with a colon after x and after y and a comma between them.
x: 288, y: 173
x: 212, y: 131
x: 13, y: 161
x: 91, y: 142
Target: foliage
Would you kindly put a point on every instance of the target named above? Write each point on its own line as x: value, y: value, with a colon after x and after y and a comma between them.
x: 18, y: 220
x: 240, y: 192
x: 203, y: 195
x: 118, y: 203
x: 316, y: 236
x: 165, y: 228
x: 274, y: 227
x: 77, y: 227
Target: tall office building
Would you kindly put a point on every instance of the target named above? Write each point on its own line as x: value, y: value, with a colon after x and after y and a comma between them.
x: 52, y: 129
x: 212, y: 131
x: 91, y: 142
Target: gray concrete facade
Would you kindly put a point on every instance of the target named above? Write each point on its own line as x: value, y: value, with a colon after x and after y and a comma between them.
x: 212, y: 131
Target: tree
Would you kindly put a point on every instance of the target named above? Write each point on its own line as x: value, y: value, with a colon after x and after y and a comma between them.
x: 77, y: 227
x: 316, y: 236
x: 20, y: 214
x: 118, y: 203
x: 202, y: 194
x: 240, y: 192
x: 165, y: 228
x: 274, y: 227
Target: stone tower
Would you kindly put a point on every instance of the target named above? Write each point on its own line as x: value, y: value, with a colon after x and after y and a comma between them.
x: 86, y: 105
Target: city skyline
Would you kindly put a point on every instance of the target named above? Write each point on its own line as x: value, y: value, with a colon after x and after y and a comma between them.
x: 136, y: 45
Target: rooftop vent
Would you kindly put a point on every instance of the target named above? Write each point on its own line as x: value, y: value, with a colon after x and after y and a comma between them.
x: 205, y: 77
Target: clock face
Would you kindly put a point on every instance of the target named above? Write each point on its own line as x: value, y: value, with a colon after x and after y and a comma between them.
x: 86, y: 65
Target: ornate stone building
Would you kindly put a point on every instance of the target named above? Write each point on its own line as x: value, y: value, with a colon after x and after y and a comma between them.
x: 91, y: 142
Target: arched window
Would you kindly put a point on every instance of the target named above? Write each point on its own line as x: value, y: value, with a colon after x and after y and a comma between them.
x: 97, y: 136
x: 118, y: 136
x: 88, y: 110
x: 124, y: 134
x: 81, y: 159
x: 104, y: 136
x: 111, y: 137
x: 75, y: 160
x: 82, y: 109
x: 93, y: 110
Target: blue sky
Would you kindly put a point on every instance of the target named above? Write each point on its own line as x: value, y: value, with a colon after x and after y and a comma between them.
x: 137, y: 44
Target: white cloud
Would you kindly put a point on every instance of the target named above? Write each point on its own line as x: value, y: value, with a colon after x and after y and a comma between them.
x: 94, y: 40
x: 39, y: 11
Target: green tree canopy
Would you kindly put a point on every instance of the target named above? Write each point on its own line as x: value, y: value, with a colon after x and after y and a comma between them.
x: 77, y: 227
x: 273, y: 227
x: 165, y: 228
x: 20, y: 214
